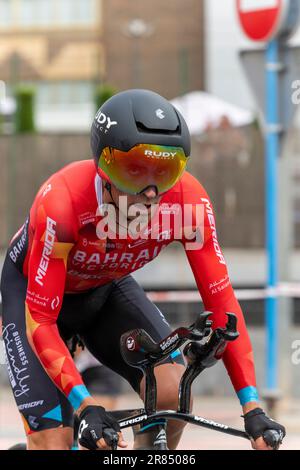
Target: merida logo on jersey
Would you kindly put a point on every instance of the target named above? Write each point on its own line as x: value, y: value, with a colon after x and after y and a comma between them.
x: 212, y: 224
x: 47, y: 250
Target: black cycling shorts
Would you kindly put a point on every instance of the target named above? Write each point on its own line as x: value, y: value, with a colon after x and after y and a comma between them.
x: 99, y: 317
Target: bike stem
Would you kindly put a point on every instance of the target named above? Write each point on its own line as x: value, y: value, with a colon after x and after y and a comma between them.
x: 202, y: 356
x: 197, y: 331
x: 150, y: 401
x: 185, y: 387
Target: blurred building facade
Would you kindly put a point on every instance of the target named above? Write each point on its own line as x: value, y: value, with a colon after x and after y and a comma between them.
x: 157, y: 45
x: 66, y: 47
x: 55, y: 45
x: 227, y: 161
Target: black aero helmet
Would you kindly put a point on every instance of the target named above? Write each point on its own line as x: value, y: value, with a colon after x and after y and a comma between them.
x: 141, y: 120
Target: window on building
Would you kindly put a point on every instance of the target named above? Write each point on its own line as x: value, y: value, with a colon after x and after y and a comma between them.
x: 65, y: 12
x: 87, y: 10
x: 76, y: 12
x: 52, y: 13
x: 6, y: 16
x: 36, y: 13
x: 65, y: 94
x: 45, y: 12
x: 27, y: 12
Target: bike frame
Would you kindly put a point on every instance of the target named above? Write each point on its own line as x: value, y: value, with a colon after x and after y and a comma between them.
x: 139, y: 416
x: 199, y: 358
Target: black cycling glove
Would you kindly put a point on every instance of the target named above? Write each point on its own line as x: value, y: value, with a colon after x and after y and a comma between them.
x: 257, y: 422
x: 95, y: 423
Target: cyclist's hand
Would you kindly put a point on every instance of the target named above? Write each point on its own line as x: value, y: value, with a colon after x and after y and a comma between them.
x: 263, y: 430
x: 98, y: 429
x: 102, y: 445
x: 260, y: 444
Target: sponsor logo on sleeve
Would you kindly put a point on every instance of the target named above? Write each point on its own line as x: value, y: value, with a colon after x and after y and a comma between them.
x: 18, y: 246
x: 212, y: 224
x: 47, y: 250
x: 33, y: 404
x: 16, y: 360
x: 47, y: 189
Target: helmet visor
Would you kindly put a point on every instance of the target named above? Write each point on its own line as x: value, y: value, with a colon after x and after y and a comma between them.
x: 143, y: 166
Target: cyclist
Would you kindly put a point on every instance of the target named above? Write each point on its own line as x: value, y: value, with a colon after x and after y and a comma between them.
x: 66, y: 273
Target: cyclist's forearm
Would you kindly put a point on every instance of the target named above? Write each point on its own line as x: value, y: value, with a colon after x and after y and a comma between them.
x: 56, y: 359
x: 89, y: 401
x: 239, y: 360
x: 251, y: 406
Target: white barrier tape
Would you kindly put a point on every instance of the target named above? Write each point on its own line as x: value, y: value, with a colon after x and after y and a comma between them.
x: 194, y: 296
x: 283, y: 290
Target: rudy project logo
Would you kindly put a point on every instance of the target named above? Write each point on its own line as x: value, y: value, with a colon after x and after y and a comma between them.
x: 47, y: 250
x: 130, y: 343
x: 104, y: 122
x: 161, y: 155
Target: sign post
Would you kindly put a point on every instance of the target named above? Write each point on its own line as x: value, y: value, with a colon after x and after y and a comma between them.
x: 271, y: 179
x: 264, y: 20
x: 271, y: 21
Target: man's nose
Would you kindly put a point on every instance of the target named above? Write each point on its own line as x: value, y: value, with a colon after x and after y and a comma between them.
x: 150, y: 192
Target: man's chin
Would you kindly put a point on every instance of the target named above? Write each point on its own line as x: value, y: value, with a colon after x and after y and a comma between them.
x: 146, y: 216
x: 142, y: 221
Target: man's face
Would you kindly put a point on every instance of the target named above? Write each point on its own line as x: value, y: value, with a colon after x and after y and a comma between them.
x: 148, y: 199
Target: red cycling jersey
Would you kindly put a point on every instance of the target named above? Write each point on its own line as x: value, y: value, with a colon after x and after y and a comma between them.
x: 60, y: 252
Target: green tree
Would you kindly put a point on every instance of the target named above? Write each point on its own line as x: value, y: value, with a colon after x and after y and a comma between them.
x: 1, y: 123
x: 24, y: 116
x: 103, y: 93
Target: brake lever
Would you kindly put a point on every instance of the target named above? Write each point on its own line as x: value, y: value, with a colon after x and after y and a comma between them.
x: 202, y: 327
x: 206, y: 355
x: 230, y: 332
x: 197, y: 331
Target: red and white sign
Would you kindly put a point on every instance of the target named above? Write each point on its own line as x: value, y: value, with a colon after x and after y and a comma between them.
x: 262, y: 20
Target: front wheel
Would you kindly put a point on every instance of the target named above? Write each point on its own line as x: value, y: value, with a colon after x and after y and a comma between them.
x: 150, y: 437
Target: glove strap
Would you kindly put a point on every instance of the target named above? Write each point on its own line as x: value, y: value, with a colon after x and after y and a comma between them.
x: 255, y: 412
